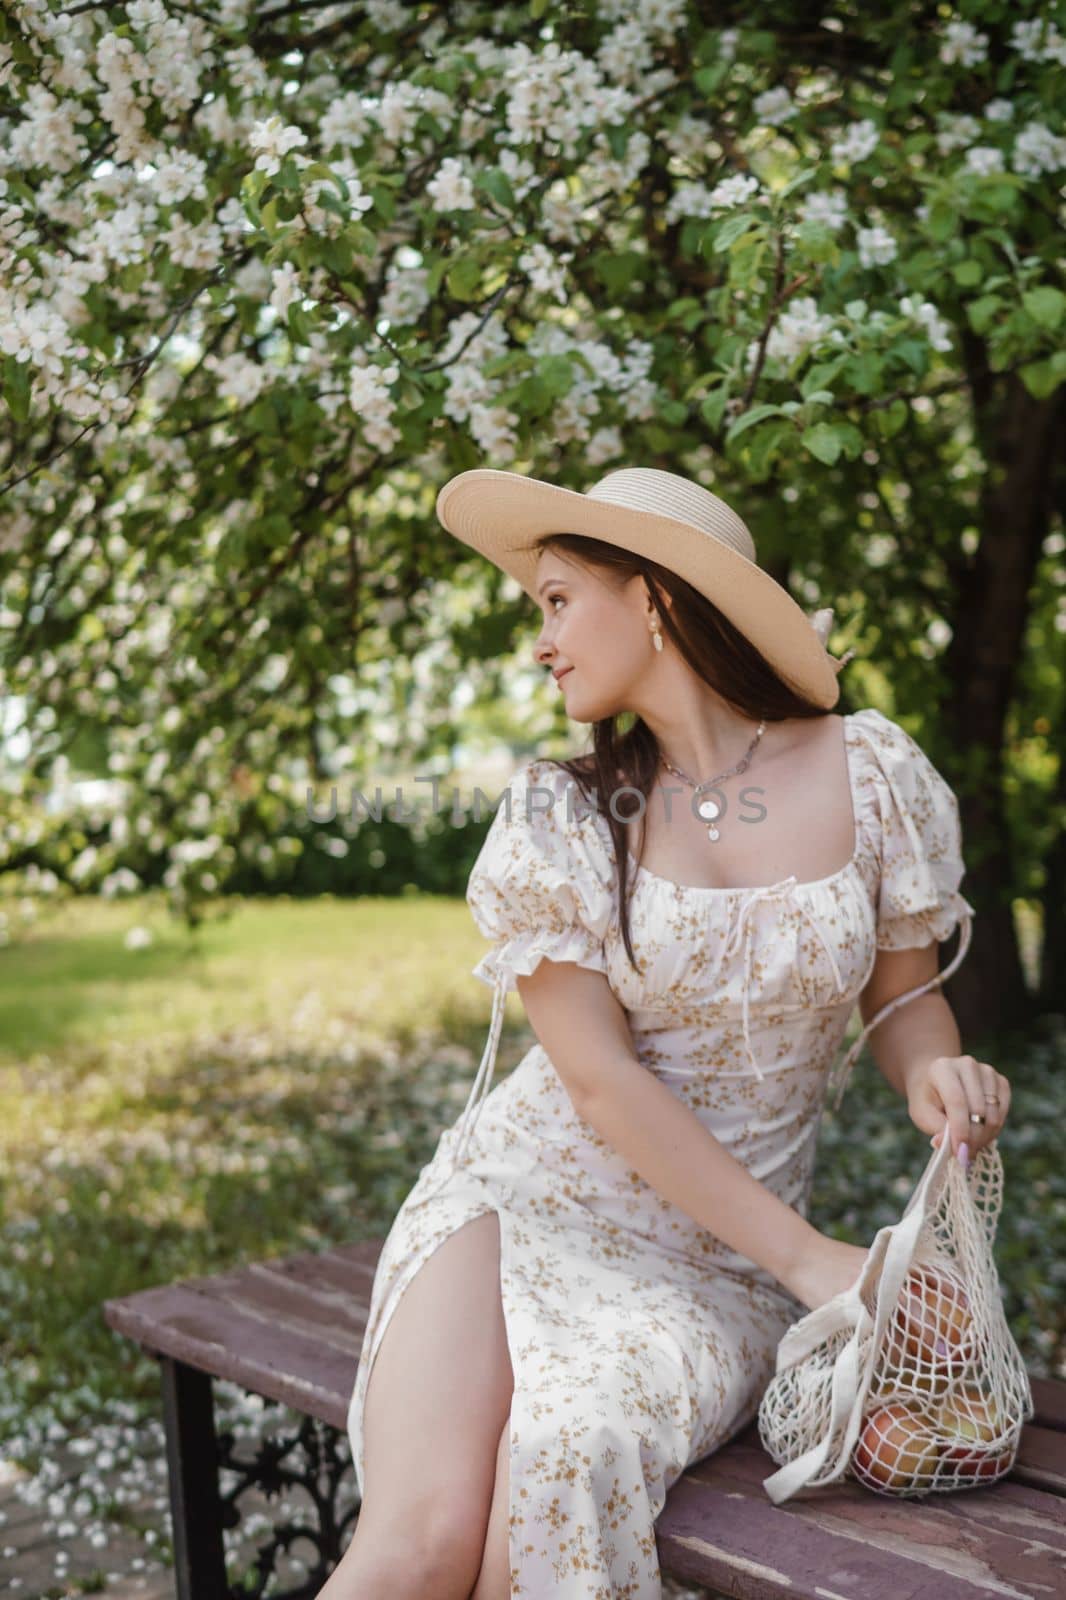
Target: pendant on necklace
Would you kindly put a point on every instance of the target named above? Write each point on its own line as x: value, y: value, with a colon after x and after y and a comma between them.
x: 708, y: 810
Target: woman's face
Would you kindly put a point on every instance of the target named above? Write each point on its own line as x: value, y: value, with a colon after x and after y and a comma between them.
x: 598, y: 633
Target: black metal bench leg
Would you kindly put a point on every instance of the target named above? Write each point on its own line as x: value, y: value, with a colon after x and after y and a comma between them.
x: 192, y: 1470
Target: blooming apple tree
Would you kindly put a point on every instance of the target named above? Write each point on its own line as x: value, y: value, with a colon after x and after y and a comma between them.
x: 272, y: 273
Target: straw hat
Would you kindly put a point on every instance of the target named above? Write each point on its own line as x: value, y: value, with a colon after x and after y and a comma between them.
x: 665, y: 517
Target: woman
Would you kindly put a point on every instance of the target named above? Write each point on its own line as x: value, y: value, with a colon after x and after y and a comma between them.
x: 584, y: 1291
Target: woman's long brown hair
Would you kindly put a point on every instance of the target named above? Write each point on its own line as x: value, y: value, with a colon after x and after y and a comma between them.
x: 716, y: 650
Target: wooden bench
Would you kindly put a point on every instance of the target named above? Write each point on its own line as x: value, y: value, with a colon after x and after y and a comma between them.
x: 290, y: 1330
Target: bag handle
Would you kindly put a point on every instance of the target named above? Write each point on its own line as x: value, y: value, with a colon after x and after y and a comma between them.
x: 847, y: 1310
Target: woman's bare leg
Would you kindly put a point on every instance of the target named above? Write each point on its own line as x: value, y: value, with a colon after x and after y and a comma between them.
x: 494, y: 1579
x: 438, y: 1395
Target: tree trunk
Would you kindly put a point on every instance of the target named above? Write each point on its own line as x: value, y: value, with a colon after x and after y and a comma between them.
x: 1018, y: 436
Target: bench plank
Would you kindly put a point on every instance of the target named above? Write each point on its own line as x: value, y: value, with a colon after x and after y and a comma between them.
x: 190, y: 1326
x: 843, y: 1540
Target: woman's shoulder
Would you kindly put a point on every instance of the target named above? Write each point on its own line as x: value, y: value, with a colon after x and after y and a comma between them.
x: 902, y: 794
x: 545, y: 811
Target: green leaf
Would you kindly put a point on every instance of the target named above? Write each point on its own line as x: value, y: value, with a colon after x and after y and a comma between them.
x: 968, y: 273
x: 999, y: 196
x: 888, y: 420
x: 17, y: 388
x: 943, y: 220
x: 983, y: 312
x: 707, y: 79
x: 287, y: 176
x: 765, y: 446
x: 1041, y: 378
x: 1045, y: 305
x: 617, y: 270
x: 320, y: 171
x: 712, y: 406
x: 850, y: 438
x: 618, y: 139
x: 299, y: 322
x: 803, y: 176
x: 384, y: 204
x: 675, y: 412
x: 337, y: 255
x: 824, y: 442
x: 748, y: 419
x: 556, y: 374
x: 914, y: 352
x: 820, y: 376
x: 732, y: 229
x: 498, y: 186
x: 865, y: 372
x: 816, y: 242
x: 464, y: 277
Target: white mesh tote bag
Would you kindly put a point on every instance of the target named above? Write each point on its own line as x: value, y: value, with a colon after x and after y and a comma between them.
x: 909, y: 1381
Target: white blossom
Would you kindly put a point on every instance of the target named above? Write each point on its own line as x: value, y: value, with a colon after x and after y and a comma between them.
x: 370, y: 399
x: 239, y: 377
x: 1037, y: 150
x: 178, y: 178
x: 963, y: 44
x: 286, y: 281
x: 272, y: 140
x: 957, y: 131
x: 688, y: 200
x: 547, y: 274
x: 774, y: 106
x: 604, y: 445
x: 858, y: 142
x: 35, y: 333
x: 346, y: 121
x: 984, y: 158
x: 405, y: 295
x: 923, y: 311
x: 797, y: 329
x: 727, y: 43
x: 1038, y: 39
x: 733, y: 191
x: 450, y: 189
x: 877, y: 247
x: 827, y: 207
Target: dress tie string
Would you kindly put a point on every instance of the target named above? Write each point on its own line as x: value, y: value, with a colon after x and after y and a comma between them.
x: 744, y: 926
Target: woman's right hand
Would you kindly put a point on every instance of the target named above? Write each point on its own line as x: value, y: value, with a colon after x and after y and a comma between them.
x: 826, y: 1268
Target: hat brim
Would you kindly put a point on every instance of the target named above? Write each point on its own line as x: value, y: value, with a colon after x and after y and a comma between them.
x: 501, y: 514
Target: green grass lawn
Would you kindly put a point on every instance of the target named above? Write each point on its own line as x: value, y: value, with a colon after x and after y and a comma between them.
x: 275, y: 1082
x: 378, y: 963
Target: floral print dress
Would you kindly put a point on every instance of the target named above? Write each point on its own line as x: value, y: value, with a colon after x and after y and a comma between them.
x: 639, y: 1341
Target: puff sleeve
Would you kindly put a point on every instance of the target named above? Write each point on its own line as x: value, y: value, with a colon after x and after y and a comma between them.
x: 913, y: 812
x: 921, y: 843
x: 541, y: 887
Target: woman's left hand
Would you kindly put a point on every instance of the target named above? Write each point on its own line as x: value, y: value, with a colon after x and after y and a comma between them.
x: 944, y: 1091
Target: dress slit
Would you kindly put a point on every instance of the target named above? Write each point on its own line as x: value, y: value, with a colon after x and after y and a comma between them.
x: 378, y: 1323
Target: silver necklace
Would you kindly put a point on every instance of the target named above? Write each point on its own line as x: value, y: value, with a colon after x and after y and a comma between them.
x: 709, y: 809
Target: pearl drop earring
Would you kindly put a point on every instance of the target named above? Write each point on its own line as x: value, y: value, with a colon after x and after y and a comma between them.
x: 656, y: 636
